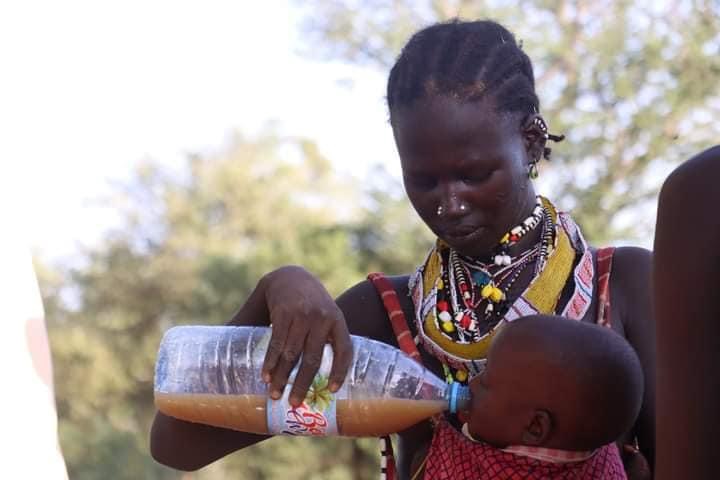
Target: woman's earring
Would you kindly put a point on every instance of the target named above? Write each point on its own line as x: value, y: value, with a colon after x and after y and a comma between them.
x: 533, y: 170
x: 540, y: 123
x: 439, y: 210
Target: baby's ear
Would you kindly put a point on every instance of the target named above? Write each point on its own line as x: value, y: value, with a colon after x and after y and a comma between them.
x: 539, y: 429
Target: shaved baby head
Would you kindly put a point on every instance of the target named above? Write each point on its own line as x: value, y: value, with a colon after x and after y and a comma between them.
x: 583, y: 383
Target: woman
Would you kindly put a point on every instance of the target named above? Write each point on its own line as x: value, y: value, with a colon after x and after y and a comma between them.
x: 469, y: 134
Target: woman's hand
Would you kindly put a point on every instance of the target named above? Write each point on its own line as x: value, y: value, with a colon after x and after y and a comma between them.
x: 304, y: 317
x: 635, y: 463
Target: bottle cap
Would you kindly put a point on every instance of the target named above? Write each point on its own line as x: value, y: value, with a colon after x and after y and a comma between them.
x: 459, y: 397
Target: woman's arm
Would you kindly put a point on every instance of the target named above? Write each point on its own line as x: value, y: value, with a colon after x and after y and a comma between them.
x: 29, y: 417
x: 631, y: 289
x: 687, y: 302
x: 190, y: 446
x: 304, y: 318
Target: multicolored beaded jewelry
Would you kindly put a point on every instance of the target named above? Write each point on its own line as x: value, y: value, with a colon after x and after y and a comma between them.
x: 439, y: 297
x: 501, y: 256
x: 471, y: 294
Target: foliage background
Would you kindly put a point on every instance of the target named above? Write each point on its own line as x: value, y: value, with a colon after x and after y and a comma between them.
x: 632, y: 85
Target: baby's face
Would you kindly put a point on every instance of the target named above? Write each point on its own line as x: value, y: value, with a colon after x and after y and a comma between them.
x: 497, y: 415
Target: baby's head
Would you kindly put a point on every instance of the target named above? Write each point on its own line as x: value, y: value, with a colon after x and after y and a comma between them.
x: 556, y: 383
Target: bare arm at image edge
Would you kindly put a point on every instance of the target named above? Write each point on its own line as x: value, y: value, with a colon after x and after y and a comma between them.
x: 687, y: 305
x: 29, y: 443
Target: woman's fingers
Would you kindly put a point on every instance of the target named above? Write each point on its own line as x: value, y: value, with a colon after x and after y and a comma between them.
x: 343, y: 353
x: 309, y: 365
x: 276, y: 347
x: 286, y: 361
x: 289, y: 331
x: 635, y: 463
x: 304, y: 318
x: 304, y: 337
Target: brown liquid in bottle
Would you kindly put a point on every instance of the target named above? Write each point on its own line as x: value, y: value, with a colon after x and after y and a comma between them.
x: 247, y: 413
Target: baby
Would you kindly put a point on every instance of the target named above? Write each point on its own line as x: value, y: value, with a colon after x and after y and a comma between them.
x: 557, y: 391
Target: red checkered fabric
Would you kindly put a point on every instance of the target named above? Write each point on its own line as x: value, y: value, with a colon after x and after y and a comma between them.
x: 453, y: 456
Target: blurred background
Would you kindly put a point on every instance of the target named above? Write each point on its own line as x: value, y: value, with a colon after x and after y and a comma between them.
x: 166, y: 154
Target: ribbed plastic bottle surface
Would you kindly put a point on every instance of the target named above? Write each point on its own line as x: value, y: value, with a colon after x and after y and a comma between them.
x: 212, y: 375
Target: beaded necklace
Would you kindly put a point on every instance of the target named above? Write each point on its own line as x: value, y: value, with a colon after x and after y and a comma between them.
x: 470, y: 295
x: 438, y: 297
x: 516, y: 233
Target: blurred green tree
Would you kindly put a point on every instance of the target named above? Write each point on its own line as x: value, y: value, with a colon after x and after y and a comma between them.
x: 633, y: 85
x: 192, y: 246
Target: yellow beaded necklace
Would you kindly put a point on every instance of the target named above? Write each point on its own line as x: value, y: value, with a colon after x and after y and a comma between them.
x: 541, y: 296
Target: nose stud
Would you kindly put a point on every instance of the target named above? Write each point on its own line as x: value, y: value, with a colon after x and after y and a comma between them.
x: 441, y: 210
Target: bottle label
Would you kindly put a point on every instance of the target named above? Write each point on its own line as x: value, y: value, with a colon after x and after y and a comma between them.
x: 315, y: 416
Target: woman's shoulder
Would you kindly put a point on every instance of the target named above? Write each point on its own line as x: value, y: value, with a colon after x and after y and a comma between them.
x: 631, y: 263
x: 688, y: 199
x: 691, y: 177
x: 630, y: 284
x: 365, y: 312
x: 367, y: 289
x: 631, y: 270
x: 629, y: 266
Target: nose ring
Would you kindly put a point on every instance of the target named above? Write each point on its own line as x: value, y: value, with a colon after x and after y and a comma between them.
x: 440, y: 210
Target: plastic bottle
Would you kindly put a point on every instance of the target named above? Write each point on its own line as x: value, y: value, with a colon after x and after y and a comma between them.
x: 211, y: 375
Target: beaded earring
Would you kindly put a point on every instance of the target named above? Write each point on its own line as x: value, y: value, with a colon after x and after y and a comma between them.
x: 533, y: 166
x: 540, y: 123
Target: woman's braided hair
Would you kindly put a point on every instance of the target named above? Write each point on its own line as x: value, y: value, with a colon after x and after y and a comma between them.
x: 468, y: 61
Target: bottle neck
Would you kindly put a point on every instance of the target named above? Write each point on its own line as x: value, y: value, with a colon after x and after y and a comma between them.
x: 458, y: 397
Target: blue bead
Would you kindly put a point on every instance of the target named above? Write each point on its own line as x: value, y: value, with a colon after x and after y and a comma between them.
x: 480, y: 278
